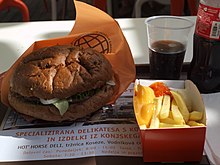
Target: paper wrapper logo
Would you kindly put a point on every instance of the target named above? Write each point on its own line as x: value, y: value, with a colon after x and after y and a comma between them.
x: 97, y: 41
x: 101, y: 33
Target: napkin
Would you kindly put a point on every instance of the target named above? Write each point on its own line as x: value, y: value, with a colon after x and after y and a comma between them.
x: 95, y: 29
x: 212, y: 143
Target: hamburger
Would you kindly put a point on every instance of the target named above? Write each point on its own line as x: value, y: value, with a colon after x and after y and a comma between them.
x: 61, y: 83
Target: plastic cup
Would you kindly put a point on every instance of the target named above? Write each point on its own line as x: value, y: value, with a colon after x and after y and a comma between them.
x: 167, y: 43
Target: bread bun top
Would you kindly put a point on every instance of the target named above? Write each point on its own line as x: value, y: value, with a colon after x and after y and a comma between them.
x: 60, y: 72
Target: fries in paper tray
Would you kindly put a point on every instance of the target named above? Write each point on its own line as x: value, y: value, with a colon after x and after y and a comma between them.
x: 172, y: 120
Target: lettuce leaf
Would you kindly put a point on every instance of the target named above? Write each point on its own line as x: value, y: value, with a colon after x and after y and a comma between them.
x: 62, y: 106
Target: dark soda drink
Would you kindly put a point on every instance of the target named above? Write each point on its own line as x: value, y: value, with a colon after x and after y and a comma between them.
x: 166, y: 59
x: 205, y: 66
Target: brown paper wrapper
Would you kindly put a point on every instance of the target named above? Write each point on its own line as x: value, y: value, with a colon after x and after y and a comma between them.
x: 93, y: 28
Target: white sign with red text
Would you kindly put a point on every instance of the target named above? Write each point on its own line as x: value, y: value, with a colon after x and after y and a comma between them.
x: 70, y: 142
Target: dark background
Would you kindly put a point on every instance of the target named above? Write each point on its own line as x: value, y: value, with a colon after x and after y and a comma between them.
x: 40, y: 10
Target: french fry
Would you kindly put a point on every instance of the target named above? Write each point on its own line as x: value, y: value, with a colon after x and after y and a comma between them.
x: 177, y: 116
x: 194, y: 123
x: 181, y: 105
x: 143, y: 104
x: 137, y: 106
x: 145, y: 94
x: 155, y: 122
x: 146, y: 113
x: 165, y: 109
x: 195, y: 115
x: 168, y: 121
x: 142, y: 127
x: 186, y: 98
x: 170, y: 115
x: 158, y: 104
x: 142, y: 95
x: 166, y: 125
x: 139, y: 119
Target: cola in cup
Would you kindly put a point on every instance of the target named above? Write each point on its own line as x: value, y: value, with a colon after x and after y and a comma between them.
x: 166, y: 58
x: 167, y: 43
